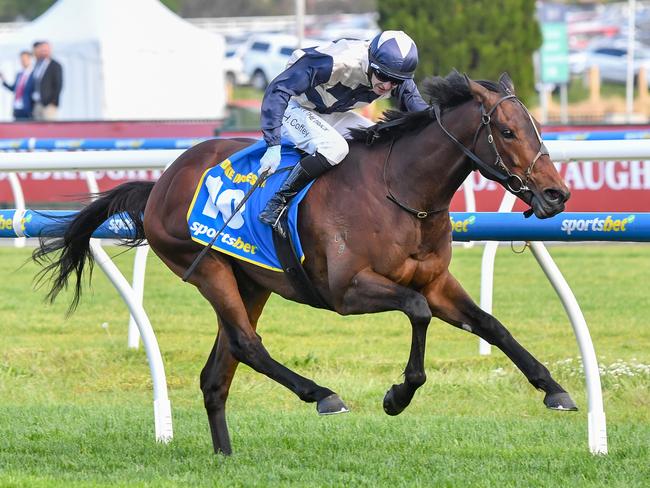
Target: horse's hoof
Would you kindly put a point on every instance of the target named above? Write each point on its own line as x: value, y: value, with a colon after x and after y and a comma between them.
x: 223, y: 451
x: 331, y: 405
x: 560, y: 401
x: 390, y: 404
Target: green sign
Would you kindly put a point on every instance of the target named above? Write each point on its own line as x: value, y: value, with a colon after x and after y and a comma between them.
x: 555, y: 53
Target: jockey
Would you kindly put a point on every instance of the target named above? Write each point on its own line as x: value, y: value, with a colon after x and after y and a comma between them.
x: 310, y: 103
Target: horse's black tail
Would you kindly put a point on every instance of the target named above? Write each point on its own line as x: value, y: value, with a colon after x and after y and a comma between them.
x: 127, y: 199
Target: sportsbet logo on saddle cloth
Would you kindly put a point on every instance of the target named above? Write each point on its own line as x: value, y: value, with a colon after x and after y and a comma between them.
x: 223, y: 187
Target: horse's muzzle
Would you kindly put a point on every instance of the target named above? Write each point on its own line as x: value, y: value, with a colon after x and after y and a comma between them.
x: 549, y: 202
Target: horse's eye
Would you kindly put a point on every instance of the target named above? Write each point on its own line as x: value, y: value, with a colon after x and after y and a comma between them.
x: 507, y: 133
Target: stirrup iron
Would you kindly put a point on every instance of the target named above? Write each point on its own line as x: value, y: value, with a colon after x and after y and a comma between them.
x: 277, y: 225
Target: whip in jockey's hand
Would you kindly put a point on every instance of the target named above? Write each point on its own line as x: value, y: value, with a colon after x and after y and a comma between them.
x: 311, y: 103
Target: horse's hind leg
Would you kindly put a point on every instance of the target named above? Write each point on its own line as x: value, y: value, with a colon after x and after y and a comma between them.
x: 217, y: 283
x: 450, y: 302
x: 216, y: 377
x: 219, y: 370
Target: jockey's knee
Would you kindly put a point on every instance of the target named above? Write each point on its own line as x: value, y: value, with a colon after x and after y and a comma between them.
x: 335, y: 150
x: 316, y: 164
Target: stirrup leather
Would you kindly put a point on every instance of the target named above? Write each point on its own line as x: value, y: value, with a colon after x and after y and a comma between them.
x: 277, y: 225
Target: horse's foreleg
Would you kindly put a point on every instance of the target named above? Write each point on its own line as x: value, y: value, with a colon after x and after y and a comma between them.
x: 370, y: 292
x: 450, y: 302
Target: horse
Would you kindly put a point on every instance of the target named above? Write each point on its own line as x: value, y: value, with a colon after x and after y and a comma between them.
x: 375, y: 232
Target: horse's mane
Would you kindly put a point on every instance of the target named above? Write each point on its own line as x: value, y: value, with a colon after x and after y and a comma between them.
x: 446, y: 92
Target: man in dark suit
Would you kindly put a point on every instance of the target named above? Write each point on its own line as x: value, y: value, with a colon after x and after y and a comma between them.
x: 48, y: 81
x: 22, y: 88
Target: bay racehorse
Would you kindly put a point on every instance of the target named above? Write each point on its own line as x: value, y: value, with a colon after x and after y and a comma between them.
x: 375, y: 233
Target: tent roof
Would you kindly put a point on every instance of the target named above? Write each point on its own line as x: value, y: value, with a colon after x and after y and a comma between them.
x: 126, y: 59
x: 107, y: 21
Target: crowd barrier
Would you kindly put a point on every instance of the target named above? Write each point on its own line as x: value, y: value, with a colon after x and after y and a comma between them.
x: 597, y: 135
x: 15, y: 160
x: 476, y: 226
x: 567, y: 226
x: 23, y: 223
x: 468, y: 226
x: 106, y: 144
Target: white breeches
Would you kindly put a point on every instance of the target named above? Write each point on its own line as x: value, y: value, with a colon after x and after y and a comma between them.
x: 325, y: 133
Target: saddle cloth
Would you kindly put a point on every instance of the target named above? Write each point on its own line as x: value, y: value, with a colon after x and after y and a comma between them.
x: 223, y: 187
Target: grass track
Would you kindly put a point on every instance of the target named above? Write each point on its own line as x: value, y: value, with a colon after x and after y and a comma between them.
x: 75, y: 405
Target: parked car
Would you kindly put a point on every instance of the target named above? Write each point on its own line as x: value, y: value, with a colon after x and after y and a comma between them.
x: 611, y: 62
x: 360, y: 26
x: 267, y: 55
x: 234, y: 63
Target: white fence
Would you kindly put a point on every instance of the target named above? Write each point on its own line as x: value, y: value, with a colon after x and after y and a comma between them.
x: 157, y: 159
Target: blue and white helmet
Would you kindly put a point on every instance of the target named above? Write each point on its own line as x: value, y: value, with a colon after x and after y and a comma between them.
x: 393, y: 54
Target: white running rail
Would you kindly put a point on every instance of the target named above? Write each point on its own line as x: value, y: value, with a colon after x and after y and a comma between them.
x: 148, y: 159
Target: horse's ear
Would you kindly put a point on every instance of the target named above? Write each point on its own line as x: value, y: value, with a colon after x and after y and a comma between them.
x: 506, y: 82
x: 478, y: 91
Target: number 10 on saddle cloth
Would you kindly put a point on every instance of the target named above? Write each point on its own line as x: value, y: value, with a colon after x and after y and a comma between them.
x: 222, y: 188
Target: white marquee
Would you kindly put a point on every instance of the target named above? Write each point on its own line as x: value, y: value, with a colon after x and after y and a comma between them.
x: 124, y: 60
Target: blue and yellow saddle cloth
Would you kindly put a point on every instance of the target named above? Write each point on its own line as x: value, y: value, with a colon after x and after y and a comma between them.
x: 223, y: 187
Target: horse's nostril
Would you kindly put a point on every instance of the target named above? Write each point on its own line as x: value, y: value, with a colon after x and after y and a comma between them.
x: 554, y: 195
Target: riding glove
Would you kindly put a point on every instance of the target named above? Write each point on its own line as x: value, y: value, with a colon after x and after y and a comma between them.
x: 271, y: 159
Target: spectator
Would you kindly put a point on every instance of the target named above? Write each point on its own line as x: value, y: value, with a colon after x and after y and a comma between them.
x: 22, y: 88
x: 48, y: 81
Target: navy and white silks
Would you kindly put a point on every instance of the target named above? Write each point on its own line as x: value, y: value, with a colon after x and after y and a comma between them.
x: 310, y: 102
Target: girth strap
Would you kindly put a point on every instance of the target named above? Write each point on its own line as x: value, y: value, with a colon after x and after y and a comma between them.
x: 293, y: 270
x: 420, y: 214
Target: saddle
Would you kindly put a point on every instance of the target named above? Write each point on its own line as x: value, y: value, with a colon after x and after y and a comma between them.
x: 218, y: 196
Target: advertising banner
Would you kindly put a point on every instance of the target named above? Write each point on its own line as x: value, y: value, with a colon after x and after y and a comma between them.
x: 596, y: 186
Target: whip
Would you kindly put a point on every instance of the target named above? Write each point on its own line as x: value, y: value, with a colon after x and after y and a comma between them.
x: 196, y: 261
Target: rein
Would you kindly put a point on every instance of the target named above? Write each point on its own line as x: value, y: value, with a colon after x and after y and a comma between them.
x: 420, y: 214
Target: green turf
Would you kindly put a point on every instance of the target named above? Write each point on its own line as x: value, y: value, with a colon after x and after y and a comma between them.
x: 76, y: 405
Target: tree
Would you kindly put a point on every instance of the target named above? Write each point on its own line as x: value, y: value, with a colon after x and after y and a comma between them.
x: 16, y: 10
x: 480, y: 37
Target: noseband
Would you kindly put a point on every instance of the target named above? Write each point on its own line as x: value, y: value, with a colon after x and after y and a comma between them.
x: 497, y: 170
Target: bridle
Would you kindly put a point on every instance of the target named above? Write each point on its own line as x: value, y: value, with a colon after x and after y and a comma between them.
x: 497, y: 171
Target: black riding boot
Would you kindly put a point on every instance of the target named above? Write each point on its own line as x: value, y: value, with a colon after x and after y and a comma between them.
x: 306, y: 170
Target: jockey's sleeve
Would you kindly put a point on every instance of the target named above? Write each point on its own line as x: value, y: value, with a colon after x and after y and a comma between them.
x: 409, y: 98
x: 309, y: 71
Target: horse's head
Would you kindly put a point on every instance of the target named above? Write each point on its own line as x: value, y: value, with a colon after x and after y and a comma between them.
x: 509, y: 141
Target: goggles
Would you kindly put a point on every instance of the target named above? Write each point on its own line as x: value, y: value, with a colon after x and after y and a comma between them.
x: 384, y: 78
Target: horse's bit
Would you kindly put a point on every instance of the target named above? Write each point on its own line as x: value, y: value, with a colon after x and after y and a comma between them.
x: 511, y: 181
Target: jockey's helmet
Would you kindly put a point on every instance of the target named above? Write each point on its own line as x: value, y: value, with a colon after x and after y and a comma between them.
x: 393, y: 54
